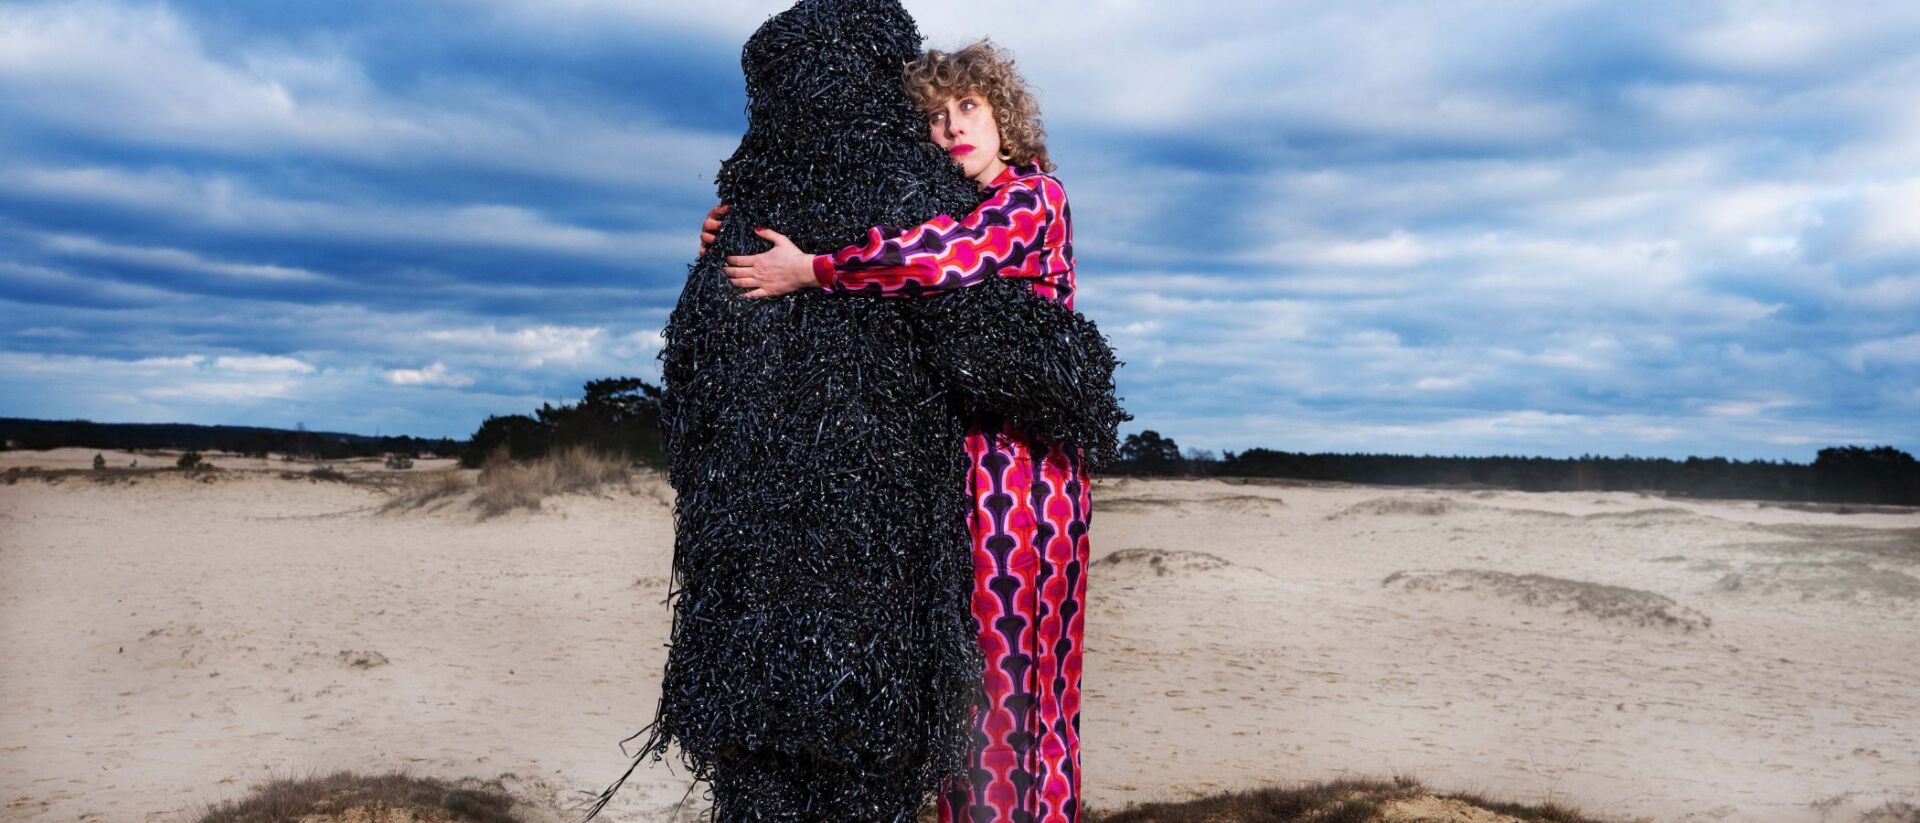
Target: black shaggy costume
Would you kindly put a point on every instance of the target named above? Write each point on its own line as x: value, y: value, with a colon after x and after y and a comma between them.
x: 823, y: 656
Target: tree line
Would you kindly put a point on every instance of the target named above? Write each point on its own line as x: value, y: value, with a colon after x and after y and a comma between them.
x: 252, y: 441
x: 618, y: 415
x: 1839, y: 474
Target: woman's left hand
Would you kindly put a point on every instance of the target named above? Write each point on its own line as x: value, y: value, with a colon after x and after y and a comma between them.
x: 779, y: 270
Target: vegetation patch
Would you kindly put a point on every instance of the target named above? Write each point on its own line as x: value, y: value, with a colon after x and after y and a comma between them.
x: 107, y: 476
x: 1901, y: 545
x: 1401, y: 800
x: 1568, y: 597
x: 1232, y: 504
x: 1893, y: 811
x: 362, y: 659
x: 1416, y: 506
x: 1845, y: 579
x: 1661, y: 517
x: 347, y: 797
x: 1161, y: 562
x: 329, y: 474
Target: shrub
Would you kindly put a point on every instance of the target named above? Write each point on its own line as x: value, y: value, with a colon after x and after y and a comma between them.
x: 99, y: 462
x: 399, y: 461
x: 330, y: 475
x: 190, y: 460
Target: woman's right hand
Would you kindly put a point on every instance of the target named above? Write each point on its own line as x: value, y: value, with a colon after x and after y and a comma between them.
x: 711, y: 225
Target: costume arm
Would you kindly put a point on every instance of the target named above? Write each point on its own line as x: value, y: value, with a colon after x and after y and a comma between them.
x: 1001, y: 348
x: 943, y: 254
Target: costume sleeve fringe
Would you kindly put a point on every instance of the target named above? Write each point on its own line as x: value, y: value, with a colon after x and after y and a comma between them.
x: 999, y: 348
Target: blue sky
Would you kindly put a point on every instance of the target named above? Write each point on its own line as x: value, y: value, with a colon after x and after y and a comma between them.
x: 1529, y: 227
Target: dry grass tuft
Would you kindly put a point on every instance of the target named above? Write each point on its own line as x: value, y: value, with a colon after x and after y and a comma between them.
x: 387, y: 798
x: 432, y: 490
x: 506, y: 485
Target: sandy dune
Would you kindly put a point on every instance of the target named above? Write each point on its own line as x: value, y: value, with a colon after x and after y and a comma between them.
x: 168, y: 640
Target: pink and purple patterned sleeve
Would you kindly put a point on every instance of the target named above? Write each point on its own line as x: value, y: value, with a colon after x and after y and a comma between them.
x: 1019, y: 231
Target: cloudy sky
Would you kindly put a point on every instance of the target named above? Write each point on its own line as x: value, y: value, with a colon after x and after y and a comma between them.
x: 1474, y: 227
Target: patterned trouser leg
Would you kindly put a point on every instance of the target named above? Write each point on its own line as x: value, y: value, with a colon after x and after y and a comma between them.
x: 1032, y: 504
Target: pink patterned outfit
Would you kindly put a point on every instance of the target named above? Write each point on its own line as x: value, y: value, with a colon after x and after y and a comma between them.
x: 1032, y: 505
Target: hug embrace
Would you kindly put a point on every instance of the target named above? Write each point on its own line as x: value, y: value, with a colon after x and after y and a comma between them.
x: 881, y: 413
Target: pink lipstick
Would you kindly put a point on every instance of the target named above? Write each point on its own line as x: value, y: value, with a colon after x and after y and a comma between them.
x: 960, y: 150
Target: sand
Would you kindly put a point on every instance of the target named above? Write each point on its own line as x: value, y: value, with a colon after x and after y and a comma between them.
x: 169, y: 640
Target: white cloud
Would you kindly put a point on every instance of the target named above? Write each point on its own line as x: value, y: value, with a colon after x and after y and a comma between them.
x: 637, y: 345
x: 224, y: 391
x: 186, y: 361
x: 434, y: 375
x: 176, y: 259
x: 528, y: 347
x: 1891, y: 351
x: 1764, y: 43
x: 725, y: 21
x: 221, y: 202
x: 1891, y: 225
x: 1398, y: 249
x: 1744, y: 408
x: 70, y: 62
x: 268, y: 364
x: 1895, y: 294
x: 1439, y: 383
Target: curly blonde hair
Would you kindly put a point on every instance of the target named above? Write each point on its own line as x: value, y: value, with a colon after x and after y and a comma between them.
x: 986, y: 70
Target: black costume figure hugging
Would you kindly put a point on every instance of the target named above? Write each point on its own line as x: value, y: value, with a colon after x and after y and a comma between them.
x: 823, y: 656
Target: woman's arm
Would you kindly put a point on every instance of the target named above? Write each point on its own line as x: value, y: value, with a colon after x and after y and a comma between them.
x: 1006, y: 235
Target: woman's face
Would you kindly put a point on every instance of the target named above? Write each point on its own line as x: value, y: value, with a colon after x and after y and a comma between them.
x: 964, y: 126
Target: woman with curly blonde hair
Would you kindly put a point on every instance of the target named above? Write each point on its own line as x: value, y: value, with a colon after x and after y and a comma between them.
x: 1032, y: 499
